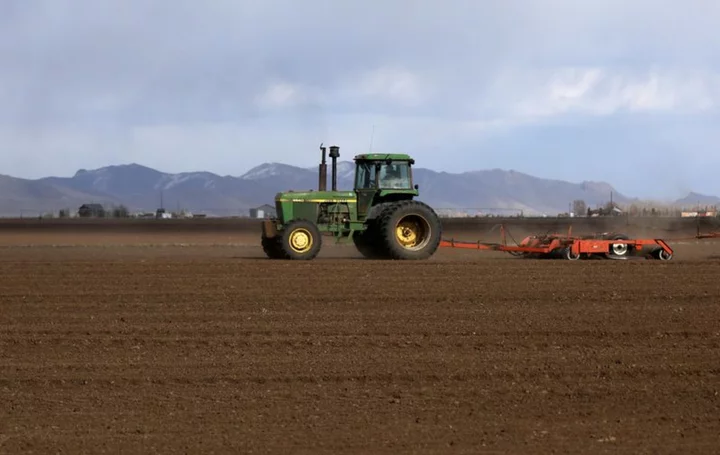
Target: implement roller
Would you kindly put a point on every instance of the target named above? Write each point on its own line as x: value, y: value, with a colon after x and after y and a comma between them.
x: 559, y: 246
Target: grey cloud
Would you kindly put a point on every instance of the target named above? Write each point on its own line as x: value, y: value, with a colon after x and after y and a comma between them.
x: 169, y: 59
x: 175, y: 60
x: 84, y: 82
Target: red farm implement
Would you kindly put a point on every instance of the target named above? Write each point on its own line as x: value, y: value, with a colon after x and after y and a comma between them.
x: 566, y: 246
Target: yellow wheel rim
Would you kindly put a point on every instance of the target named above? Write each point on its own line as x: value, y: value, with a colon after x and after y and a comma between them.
x: 412, y: 232
x: 301, y: 240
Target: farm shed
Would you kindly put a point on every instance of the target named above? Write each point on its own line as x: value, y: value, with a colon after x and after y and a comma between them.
x: 91, y: 211
x: 264, y: 211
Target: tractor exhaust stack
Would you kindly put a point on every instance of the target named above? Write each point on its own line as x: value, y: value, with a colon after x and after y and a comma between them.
x: 322, y: 174
x: 334, y: 154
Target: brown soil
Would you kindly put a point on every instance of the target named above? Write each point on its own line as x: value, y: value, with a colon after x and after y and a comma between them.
x: 204, y: 346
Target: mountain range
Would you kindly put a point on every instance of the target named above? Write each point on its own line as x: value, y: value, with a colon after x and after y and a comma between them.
x: 141, y: 188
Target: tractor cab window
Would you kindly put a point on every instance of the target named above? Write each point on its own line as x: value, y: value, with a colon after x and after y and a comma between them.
x: 395, y: 176
x: 365, y: 176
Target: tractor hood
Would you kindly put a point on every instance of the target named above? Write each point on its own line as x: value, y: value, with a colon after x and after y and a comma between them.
x: 316, y: 196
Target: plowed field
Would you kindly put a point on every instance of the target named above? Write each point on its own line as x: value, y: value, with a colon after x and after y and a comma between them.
x: 114, y: 345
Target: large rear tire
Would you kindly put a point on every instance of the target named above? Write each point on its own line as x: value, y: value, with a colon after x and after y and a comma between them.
x: 301, y: 240
x: 409, y: 230
x: 368, y: 242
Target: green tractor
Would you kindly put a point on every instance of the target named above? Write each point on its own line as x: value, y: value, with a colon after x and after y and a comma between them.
x: 379, y: 216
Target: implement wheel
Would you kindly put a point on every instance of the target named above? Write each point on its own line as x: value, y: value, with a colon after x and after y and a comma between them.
x: 568, y: 254
x: 619, y: 249
x: 662, y: 255
x: 301, y: 240
x: 409, y: 230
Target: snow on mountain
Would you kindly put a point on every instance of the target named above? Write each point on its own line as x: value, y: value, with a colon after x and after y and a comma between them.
x: 345, y: 170
x: 268, y: 170
x: 169, y: 181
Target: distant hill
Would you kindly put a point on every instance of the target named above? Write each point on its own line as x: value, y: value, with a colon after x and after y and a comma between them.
x: 20, y: 196
x: 489, y: 189
x: 141, y: 188
x: 695, y: 199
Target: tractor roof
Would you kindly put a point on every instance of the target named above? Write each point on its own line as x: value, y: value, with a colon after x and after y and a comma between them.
x: 383, y: 157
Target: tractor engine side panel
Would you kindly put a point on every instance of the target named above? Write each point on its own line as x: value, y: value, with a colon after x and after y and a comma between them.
x: 305, y: 210
x: 288, y: 211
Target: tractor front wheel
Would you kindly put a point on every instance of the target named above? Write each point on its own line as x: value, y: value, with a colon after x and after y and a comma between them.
x: 273, y: 248
x: 301, y: 240
x: 409, y: 230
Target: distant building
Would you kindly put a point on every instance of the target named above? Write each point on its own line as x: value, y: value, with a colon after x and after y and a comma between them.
x: 91, y: 211
x: 162, y: 214
x: 264, y: 211
x: 610, y: 209
x: 699, y: 213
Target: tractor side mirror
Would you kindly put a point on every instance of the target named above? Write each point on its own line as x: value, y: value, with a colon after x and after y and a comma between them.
x: 417, y: 187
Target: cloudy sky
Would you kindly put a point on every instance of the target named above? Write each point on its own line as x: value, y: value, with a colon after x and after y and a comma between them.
x: 621, y: 91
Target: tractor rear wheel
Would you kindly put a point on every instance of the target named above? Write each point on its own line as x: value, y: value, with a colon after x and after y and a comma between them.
x: 301, y: 240
x: 368, y: 242
x: 409, y: 230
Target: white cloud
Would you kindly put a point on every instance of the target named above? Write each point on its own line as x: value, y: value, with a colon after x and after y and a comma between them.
x: 387, y: 86
x: 282, y: 94
x: 395, y: 84
x: 528, y: 96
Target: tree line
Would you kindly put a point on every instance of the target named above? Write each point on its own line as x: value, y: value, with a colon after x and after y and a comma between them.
x: 580, y: 208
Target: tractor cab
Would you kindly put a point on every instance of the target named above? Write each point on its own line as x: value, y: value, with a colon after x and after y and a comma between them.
x: 383, y: 175
x: 382, y: 178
